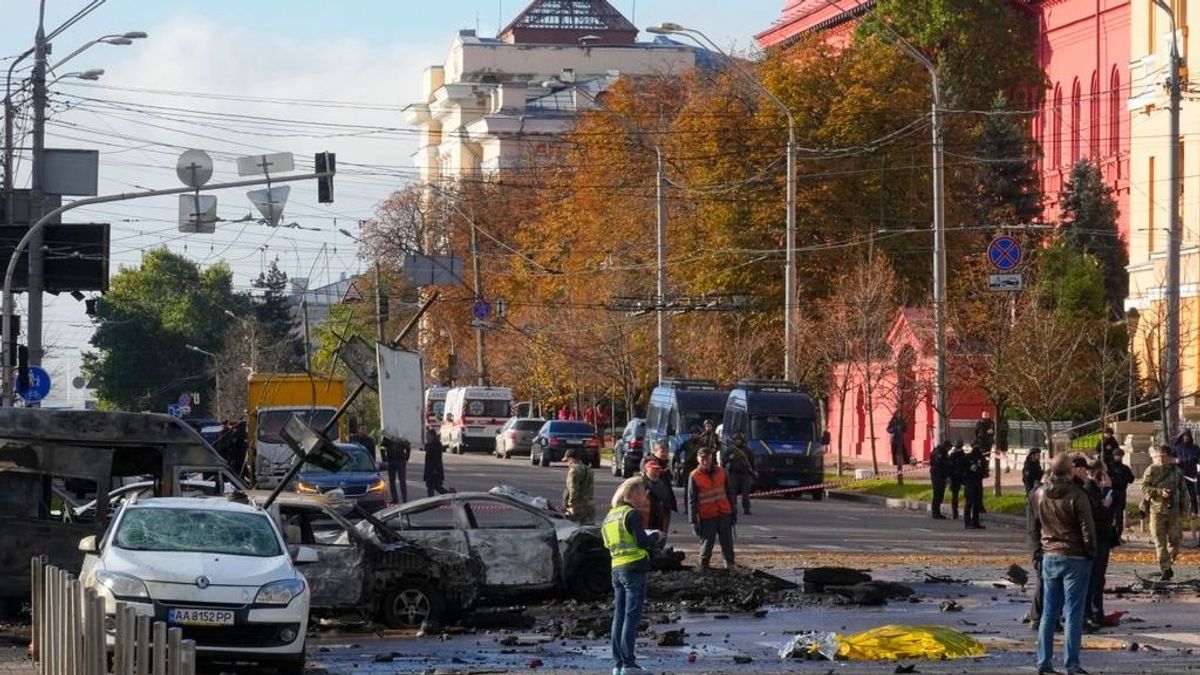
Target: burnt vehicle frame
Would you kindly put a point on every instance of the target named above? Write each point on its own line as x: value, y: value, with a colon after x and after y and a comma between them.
x: 521, y: 547
x: 367, y: 568
x: 41, y: 451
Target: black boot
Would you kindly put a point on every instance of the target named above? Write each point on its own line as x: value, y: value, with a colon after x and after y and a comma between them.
x: 937, y: 515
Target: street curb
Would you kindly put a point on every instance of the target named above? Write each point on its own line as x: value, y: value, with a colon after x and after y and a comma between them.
x: 910, y: 505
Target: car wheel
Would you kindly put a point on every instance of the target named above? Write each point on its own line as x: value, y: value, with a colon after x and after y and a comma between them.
x: 507, y: 454
x: 544, y: 459
x: 410, y: 603
x: 592, y: 580
x: 818, y: 495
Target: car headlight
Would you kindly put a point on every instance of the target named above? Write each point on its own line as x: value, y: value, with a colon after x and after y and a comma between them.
x: 301, y: 486
x: 279, y: 592
x: 122, y: 585
x: 378, y: 486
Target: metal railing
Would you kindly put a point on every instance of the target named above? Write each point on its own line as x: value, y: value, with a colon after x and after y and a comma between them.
x: 70, y: 636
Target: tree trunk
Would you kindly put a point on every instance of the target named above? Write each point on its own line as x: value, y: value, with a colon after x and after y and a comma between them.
x: 871, y: 423
x: 996, y: 451
x: 842, y: 418
x: 1049, y: 438
x: 1001, y: 418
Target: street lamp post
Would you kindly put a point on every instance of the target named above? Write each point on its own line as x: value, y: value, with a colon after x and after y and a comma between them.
x: 660, y: 221
x: 1170, y: 375
x: 216, y: 378
x: 789, y: 275
x: 248, y: 323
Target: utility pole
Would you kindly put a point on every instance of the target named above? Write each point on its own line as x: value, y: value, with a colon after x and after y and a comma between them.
x: 661, y: 243
x: 1170, y: 357
x: 480, y: 367
x: 36, y: 260
x: 380, y: 307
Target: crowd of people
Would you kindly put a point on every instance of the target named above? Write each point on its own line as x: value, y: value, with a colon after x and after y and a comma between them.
x: 1076, y: 516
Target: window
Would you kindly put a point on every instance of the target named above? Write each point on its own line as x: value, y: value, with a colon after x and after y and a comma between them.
x: 781, y: 428
x: 1153, y: 208
x: 1076, y: 122
x: 486, y: 407
x: 437, y: 517
x: 1056, y: 128
x: 1151, y: 30
x: 487, y: 514
x: 1094, y: 125
x: 1114, y: 114
x: 571, y: 428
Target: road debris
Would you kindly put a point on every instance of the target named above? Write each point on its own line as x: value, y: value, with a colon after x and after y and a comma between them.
x: 1018, y: 575
x: 817, y: 578
x: 949, y: 606
x: 871, y: 593
x: 670, y: 638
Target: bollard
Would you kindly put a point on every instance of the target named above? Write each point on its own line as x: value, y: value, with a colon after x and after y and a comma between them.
x: 100, y: 655
x: 35, y: 605
x: 52, y: 619
x: 143, y: 645
x: 174, y: 647
x: 160, y: 648
x: 187, y: 658
x: 121, y: 653
x: 128, y: 642
x: 71, y: 626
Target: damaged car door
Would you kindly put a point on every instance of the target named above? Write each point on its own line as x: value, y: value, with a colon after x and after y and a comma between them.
x: 336, y: 579
x: 437, y: 525
x: 518, y: 548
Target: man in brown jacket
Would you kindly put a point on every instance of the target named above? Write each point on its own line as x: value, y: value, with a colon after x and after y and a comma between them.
x: 1068, y: 541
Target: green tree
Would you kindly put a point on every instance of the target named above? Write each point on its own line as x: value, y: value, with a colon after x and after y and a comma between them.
x: 283, y: 347
x: 1089, y: 218
x: 145, y: 323
x: 1006, y: 178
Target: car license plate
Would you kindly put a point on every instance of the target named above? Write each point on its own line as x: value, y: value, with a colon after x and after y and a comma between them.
x: 575, y: 442
x: 200, y: 617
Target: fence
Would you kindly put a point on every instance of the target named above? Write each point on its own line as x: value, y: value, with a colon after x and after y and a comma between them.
x: 70, y: 635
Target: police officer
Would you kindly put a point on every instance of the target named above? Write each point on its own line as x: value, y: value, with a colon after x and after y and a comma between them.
x: 738, y: 461
x: 939, y: 472
x: 958, y: 470
x: 1163, y: 486
x: 976, y: 470
x: 687, y: 458
x: 578, y: 501
x: 1032, y: 472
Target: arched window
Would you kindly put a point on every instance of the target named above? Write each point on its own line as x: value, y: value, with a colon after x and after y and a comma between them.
x: 1095, y: 106
x: 1076, y: 122
x: 1056, y: 128
x: 1115, y: 103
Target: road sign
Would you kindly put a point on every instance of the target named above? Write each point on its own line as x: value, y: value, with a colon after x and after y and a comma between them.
x: 481, y: 309
x: 1004, y: 253
x: 39, y: 385
x: 1005, y: 282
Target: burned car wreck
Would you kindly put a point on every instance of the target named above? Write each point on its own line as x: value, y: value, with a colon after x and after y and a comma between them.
x: 366, y: 568
x: 521, y: 546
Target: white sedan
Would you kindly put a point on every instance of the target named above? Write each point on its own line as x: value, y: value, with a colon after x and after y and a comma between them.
x: 217, y: 568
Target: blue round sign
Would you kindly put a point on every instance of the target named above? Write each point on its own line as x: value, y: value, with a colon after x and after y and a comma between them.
x: 1004, y: 253
x: 39, y: 385
x: 481, y: 309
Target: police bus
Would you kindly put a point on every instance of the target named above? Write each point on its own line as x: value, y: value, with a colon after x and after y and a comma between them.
x: 676, y: 407
x: 780, y: 424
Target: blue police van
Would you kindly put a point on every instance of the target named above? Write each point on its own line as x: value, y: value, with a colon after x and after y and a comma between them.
x: 781, y: 426
x: 676, y: 407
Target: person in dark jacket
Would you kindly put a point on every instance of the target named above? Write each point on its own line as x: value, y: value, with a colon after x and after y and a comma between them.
x: 1107, y: 445
x: 985, y: 432
x: 939, y: 472
x: 738, y: 460
x: 1121, y: 477
x: 434, y: 474
x: 1100, y: 495
x: 1063, y: 517
x: 976, y: 470
x: 662, y: 496
x: 1032, y: 472
x: 958, y: 470
x: 896, y: 432
x: 1187, y: 458
x: 687, y: 458
x: 397, y: 451
x: 363, y: 437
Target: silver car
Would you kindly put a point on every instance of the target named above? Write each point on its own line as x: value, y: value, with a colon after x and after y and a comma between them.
x: 516, y: 436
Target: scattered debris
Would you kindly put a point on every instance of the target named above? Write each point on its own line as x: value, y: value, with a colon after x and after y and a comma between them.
x: 760, y: 613
x: 670, y: 638
x: 910, y: 668
x: 949, y: 606
x: 387, y: 657
x: 871, y: 593
x: 939, y: 579
x: 817, y: 578
x: 1018, y: 575
x: 742, y: 659
x: 736, y: 590
x: 499, y: 617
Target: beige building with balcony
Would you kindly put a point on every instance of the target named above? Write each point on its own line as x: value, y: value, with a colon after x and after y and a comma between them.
x: 1149, y: 200
x: 488, y: 107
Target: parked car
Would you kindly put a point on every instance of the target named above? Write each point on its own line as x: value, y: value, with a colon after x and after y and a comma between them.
x: 557, y: 436
x: 629, y: 449
x: 516, y: 436
x: 522, y: 547
x: 366, y: 567
x: 85, y: 513
x: 360, y: 480
x: 217, y: 568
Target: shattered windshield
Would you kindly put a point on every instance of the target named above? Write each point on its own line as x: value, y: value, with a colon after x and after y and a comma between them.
x: 197, y: 530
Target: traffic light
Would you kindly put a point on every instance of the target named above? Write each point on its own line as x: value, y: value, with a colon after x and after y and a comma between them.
x: 325, y: 163
x: 22, y: 368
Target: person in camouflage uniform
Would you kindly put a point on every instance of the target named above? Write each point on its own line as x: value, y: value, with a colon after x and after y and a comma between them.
x: 1163, y: 487
x: 578, y: 501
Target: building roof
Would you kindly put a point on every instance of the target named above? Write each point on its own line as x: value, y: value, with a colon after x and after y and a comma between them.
x: 570, y: 22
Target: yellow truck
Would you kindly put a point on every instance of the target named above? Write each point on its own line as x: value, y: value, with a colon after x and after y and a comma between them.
x: 272, y: 398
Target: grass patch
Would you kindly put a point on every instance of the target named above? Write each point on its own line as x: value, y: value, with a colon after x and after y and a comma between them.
x: 1012, y: 503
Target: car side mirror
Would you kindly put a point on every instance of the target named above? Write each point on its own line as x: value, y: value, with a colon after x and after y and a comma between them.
x: 88, y: 544
x: 305, y: 555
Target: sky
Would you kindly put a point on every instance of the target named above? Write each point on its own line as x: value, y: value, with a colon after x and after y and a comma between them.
x: 305, y: 65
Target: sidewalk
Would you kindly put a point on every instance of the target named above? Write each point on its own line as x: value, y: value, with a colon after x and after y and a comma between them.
x: 14, y: 649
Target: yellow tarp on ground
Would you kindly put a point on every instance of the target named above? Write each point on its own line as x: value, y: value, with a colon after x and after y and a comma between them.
x: 898, y: 641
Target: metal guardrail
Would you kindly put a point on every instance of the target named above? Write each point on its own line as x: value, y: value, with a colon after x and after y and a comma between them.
x: 70, y: 636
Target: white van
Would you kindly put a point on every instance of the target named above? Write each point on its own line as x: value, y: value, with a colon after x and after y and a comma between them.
x: 473, y: 416
x: 435, y: 406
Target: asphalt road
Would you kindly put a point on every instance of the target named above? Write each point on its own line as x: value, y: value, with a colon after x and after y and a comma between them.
x: 777, y: 525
